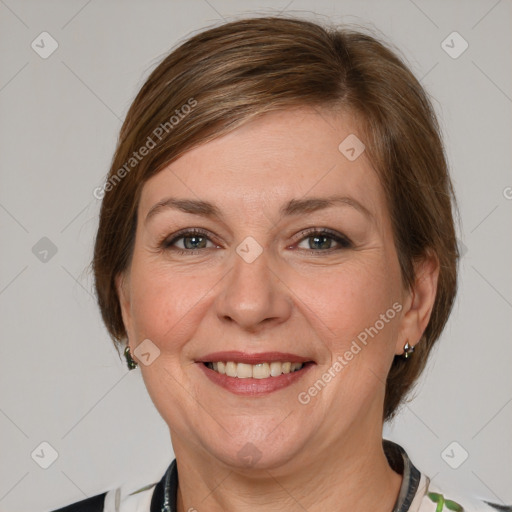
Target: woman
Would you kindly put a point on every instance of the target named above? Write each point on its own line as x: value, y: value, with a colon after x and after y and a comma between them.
x: 276, y: 251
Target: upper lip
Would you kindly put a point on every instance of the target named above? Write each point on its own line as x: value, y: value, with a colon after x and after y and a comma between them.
x: 245, y: 357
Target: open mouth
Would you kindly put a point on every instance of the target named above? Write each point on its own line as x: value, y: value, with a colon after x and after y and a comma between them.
x: 255, y: 371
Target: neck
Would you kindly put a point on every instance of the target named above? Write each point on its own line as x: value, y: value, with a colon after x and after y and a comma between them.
x: 350, y: 476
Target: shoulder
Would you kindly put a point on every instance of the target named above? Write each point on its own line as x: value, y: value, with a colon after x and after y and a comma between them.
x: 442, y: 500
x: 128, y: 498
x: 93, y: 504
x: 122, y: 498
x: 420, y: 494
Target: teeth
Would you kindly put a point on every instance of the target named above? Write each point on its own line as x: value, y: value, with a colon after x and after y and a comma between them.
x: 260, y: 371
x: 275, y: 368
x: 243, y: 371
x: 231, y: 369
x: 255, y: 371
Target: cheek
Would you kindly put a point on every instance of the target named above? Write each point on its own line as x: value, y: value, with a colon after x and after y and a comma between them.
x: 166, y: 305
x: 356, y: 303
x: 355, y: 312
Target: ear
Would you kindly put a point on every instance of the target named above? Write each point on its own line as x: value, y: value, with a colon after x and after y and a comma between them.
x: 123, y: 294
x: 418, y: 302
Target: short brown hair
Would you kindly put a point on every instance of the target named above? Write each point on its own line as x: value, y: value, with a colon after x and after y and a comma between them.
x: 242, y: 69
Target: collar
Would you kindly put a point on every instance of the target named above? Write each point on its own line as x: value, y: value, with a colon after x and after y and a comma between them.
x: 400, y: 462
x: 165, y: 494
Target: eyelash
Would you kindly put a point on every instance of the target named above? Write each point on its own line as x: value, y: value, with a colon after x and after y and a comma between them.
x: 341, y: 240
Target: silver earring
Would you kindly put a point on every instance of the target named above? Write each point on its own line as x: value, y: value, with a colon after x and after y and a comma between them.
x: 408, y: 350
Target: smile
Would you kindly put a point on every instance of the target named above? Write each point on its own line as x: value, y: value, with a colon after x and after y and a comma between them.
x: 254, y: 371
x: 254, y: 375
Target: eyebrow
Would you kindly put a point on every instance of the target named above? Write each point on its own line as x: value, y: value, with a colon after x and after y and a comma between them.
x: 293, y: 207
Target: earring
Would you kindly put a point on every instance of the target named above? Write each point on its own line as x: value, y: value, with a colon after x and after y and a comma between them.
x: 129, y: 359
x: 408, y: 350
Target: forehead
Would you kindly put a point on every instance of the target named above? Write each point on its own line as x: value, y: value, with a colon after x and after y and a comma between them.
x: 277, y: 157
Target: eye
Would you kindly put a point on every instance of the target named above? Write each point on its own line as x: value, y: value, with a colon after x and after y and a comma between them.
x: 188, y: 241
x: 312, y: 240
x: 323, y: 240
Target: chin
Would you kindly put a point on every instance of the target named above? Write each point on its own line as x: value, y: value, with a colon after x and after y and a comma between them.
x: 264, y: 450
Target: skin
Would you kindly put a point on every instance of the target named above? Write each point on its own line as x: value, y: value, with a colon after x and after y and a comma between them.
x: 295, y: 297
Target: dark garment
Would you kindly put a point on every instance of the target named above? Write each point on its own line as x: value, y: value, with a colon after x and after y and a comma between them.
x: 94, y: 504
x: 170, y: 479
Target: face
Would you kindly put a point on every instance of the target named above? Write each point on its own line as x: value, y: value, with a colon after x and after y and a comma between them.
x: 267, y: 252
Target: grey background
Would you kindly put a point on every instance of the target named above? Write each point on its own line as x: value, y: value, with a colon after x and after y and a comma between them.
x: 61, y: 380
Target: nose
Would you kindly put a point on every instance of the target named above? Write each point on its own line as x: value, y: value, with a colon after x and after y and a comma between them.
x: 253, y: 296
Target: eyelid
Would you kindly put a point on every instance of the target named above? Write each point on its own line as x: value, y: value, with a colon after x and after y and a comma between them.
x: 339, y: 238
x: 167, y: 241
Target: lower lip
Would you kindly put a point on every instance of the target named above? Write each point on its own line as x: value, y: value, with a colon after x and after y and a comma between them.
x: 254, y: 387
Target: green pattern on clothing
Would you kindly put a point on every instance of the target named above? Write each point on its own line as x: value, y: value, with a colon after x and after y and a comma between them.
x: 441, y: 503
